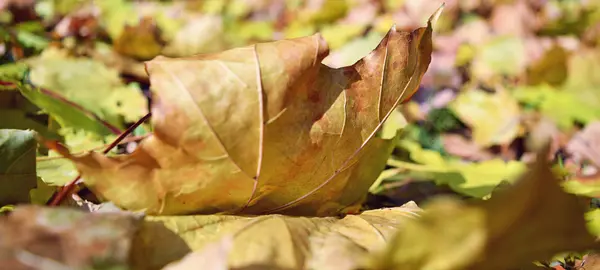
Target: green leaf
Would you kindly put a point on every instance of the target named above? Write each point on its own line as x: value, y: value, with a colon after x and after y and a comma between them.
x: 32, y: 40
x: 17, y: 165
x: 56, y: 171
x: 6, y: 208
x: 42, y: 193
x: 13, y: 73
x: 534, y: 219
x: 351, y: 52
x: 64, y: 113
x: 386, y: 174
x: 337, y: 35
x: 504, y: 55
x: 18, y: 119
x: 115, y: 15
x: 393, y: 124
x: 588, y: 188
x: 90, y: 84
x: 593, y: 221
x: 563, y: 107
x: 472, y: 179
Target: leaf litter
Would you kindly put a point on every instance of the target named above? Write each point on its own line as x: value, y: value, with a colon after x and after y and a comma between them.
x: 503, y: 77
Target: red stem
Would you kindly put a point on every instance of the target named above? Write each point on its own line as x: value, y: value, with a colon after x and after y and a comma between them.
x: 66, y: 190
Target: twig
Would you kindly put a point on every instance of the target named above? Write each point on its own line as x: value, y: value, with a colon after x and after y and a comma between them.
x: 57, y: 198
x: 128, y: 140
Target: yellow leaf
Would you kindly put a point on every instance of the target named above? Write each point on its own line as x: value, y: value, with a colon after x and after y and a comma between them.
x: 270, y: 241
x: 141, y: 41
x: 494, y: 117
x: 531, y: 220
x: 213, y: 256
x: 503, y: 55
x: 187, y: 42
x: 551, y: 68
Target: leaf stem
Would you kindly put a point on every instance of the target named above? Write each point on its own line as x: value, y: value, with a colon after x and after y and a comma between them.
x: 128, y: 140
x: 57, y: 198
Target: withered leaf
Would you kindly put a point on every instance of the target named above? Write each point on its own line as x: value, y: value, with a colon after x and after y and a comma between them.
x: 532, y: 220
x: 265, y: 128
x: 269, y: 241
x: 34, y: 237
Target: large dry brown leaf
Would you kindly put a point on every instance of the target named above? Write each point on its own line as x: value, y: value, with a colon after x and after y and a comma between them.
x: 265, y: 128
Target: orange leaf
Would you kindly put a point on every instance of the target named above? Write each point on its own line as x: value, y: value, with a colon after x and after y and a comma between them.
x: 265, y: 128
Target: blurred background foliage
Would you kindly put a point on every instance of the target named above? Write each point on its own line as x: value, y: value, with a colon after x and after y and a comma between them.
x: 504, y: 75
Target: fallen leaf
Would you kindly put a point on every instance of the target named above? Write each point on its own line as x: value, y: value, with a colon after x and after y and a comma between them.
x: 213, y: 256
x: 241, y: 33
x: 42, y: 193
x: 339, y: 34
x: 352, y: 51
x: 532, y: 220
x: 125, y: 65
x: 141, y: 41
x: 393, y: 124
x: 187, y: 42
x: 493, y: 117
x: 17, y: 165
x: 476, y: 179
x: 276, y: 131
x: 582, y: 82
x: 56, y: 171
x: 502, y: 55
x: 513, y: 18
x: 20, y: 119
x: 547, y: 99
x: 582, y: 188
x: 458, y: 146
x: 270, y: 241
x: 36, y: 237
x: 585, y: 145
x: 593, y: 221
x: 115, y: 15
x: 551, y: 68
x: 65, y: 112
x: 74, y: 79
x: 444, y: 223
